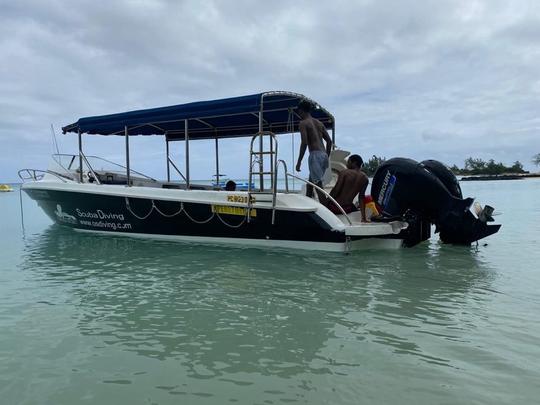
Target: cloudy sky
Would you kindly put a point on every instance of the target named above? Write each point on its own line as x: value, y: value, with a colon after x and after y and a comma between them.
x: 422, y: 79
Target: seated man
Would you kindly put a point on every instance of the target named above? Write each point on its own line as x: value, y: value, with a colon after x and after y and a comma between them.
x: 230, y: 186
x: 351, y: 182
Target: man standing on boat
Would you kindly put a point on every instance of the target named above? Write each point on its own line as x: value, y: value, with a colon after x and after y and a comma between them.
x: 312, y: 133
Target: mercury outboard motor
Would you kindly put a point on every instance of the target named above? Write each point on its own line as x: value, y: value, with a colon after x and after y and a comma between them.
x: 427, y: 192
x: 445, y: 175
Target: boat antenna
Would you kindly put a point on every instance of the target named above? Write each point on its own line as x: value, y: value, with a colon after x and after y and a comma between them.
x: 54, y: 140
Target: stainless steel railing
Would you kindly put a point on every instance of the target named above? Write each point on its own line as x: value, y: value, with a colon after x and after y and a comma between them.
x: 36, y: 175
x: 286, y: 171
x: 325, y: 193
x: 177, y: 169
x: 90, y: 168
x: 92, y: 157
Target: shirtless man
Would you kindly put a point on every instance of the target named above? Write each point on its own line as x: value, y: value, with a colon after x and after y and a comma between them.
x: 351, y: 182
x: 313, y: 132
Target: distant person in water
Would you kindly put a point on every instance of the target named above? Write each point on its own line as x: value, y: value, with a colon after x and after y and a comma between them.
x: 312, y: 133
x: 230, y: 186
x: 351, y: 182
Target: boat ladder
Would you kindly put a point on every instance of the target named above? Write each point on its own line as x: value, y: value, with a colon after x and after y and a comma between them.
x: 258, y: 169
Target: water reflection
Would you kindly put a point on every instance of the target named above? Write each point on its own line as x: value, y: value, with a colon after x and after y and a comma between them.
x: 221, y: 311
x: 435, y: 294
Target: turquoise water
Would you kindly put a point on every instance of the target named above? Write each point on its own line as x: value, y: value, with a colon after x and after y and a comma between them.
x: 104, y: 320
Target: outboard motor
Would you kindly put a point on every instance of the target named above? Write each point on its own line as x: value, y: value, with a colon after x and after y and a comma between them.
x: 427, y: 193
x: 445, y: 175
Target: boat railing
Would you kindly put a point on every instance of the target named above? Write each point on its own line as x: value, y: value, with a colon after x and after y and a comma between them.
x: 274, y: 167
x: 72, y: 157
x: 175, y: 168
x: 324, y: 192
x: 286, y: 171
x: 36, y: 175
x: 256, y: 157
x: 96, y: 178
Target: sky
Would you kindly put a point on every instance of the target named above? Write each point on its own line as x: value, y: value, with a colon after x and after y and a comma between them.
x: 427, y: 79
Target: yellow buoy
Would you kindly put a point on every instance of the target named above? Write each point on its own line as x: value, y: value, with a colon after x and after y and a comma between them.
x: 5, y: 187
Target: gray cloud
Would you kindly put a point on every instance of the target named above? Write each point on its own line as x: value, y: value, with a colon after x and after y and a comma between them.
x: 433, y: 79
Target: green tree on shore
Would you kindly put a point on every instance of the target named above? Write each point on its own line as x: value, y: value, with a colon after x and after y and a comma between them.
x: 536, y: 159
x: 517, y: 167
x: 478, y: 166
x: 454, y: 169
x: 473, y: 166
x: 371, y: 166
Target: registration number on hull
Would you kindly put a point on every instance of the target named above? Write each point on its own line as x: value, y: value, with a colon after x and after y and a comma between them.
x: 227, y: 209
x: 239, y: 199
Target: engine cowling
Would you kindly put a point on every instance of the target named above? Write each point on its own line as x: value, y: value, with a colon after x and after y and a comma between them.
x: 430, y: 192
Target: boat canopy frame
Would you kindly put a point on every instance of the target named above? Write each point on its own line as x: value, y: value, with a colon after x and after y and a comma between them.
x: 244, y: 116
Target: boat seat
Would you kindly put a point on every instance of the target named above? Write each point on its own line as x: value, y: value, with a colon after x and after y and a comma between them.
x: 172, y: 185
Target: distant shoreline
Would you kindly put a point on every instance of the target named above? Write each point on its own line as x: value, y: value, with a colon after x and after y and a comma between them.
x: 509, y: 176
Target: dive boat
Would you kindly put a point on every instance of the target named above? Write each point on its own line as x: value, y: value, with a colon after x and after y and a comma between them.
x: 90, y: 194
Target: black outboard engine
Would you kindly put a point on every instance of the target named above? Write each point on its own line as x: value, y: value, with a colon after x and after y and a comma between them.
x: 427, y: 193
x: 445, y: 175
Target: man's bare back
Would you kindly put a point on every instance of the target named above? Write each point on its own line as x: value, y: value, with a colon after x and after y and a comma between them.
x: 312, y: 133
x: 315, y: 132
x: 350, y: 183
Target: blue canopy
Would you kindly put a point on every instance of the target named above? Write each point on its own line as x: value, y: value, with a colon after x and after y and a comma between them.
x: 225, y: 118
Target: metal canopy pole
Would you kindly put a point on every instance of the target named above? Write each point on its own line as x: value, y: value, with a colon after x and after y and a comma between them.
x: 127, y: 155
x: 80, y: 157
x: 168, y: 166
x: 261, y: 165
x: 217, y: 161
x: 333, y: 135
x: 186, y: 136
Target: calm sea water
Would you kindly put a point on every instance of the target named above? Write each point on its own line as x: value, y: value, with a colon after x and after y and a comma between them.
x: 104, y: 320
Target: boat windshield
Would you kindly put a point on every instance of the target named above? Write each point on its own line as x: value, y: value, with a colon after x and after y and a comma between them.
x: 70, y: 163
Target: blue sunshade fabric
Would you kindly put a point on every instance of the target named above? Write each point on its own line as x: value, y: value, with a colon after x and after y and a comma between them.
x: 224, y: 118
